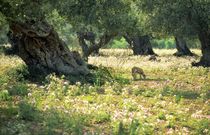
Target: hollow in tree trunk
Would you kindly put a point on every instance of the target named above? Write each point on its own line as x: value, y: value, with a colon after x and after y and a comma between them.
x: 140, y: 45
x: 181, y: 46
x: 42, y: 50
x: 93, y: 47
x: 204, y: 37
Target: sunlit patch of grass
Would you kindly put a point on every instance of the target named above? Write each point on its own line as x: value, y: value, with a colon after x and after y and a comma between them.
x: 8, y: 62
x: 121, y: 58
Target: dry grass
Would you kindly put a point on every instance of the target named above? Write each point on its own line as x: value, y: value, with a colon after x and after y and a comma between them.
x: 123, y: 59
x: 7, y: 63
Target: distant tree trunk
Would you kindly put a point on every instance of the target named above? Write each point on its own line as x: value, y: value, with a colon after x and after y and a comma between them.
x: 204, y: 37
x: 94, y: 47
x: 140, y: 45
x: 181, y: 46
x: 42, y: 50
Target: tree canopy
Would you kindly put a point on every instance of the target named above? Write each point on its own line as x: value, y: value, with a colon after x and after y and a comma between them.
x: 177, y: 16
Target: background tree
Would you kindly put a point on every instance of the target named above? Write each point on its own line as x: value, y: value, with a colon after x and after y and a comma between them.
x: 138, y: 34
x: 188, y: 18
x: 100, y: 21
x: 96, y: 22
x: 182, y: 48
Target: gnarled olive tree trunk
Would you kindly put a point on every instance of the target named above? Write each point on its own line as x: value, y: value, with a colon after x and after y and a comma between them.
x: 40, y: 48
x: 181, y: 46
x: 140, y: 44
x: 204, y: 37
x: 93, y: 47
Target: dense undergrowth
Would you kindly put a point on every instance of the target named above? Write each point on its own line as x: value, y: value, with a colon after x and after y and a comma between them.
x: 174, y: 99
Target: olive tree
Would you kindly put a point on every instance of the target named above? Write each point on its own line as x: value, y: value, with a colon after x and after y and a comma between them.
x: 138, y: 34
x: 190, y: 18
x: 97, y: 22
x: 39, y: 45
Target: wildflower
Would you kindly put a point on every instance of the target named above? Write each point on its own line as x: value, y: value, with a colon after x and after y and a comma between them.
x: 66, y: 83
x: 205, y: 131
x: 41, y: 87
x: 29, y: 94
x: 78, y: 83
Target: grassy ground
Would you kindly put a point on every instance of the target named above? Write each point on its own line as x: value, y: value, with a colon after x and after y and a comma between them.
x: 174, y: 99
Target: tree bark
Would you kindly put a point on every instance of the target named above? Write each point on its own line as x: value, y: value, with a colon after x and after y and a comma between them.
x: 204, y: 37
x: 12, y: 39
x: 140, y: 45
x: 182, y: 48
x: 41, y: 49
x: 94, y: 47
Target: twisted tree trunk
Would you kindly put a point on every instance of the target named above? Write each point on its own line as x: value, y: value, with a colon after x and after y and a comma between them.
x: 41, y: 49
x: 181, y: 46
x: 94, y: 47
x: 140, y: 44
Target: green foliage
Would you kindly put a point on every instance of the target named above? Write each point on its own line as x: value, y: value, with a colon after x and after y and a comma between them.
x: 163, y: 43
x: 82, y: 89
x: 107, y: 15
x: 19, y: 73
x: 177, y: 17
x: 161, y: 116
x: 171, y: 125
x: 178, y: 98
x: 27, y: 111
x: 117, y: 89
x: 179, y: 94
x: 120, y: 129
x: 4, y: 95
x: 102, y: 117
x: 203, y: 128
x: 121, y: 80
x: 167, y: 91
x: 118, y: 44
x: 63, y: 28
x: 101, y: 75
x: 56, y: 83
x: 145, y: 92
x: 205, y: 93
x: 3, y: 32
x: 20, y: 89
x: 134, y: 127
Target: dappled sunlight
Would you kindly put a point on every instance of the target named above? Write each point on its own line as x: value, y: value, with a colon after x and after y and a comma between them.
x: 173, y: 98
